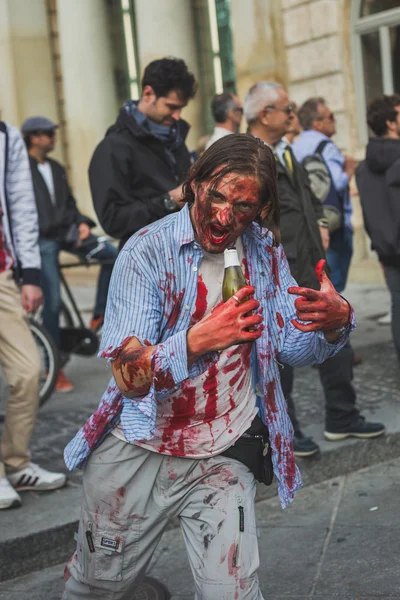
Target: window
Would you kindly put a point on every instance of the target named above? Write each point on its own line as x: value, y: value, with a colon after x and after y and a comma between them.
x: 121, y: 24
x: 215, y: 51
x: 376, y: 46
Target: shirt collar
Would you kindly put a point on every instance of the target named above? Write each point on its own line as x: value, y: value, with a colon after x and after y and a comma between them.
x: 184, y: 232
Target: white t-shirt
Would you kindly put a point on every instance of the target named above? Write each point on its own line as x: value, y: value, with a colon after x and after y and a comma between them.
x: 209, y: 413
x: 47, y: 174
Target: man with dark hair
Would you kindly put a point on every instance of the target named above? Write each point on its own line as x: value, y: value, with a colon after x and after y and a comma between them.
x: 319, y: 125
x: 193, y: 377
x: 227, y: 111
x: 61, y: 227
x: 269, y: 115
x: 136, y: 172
x: 378, y: 182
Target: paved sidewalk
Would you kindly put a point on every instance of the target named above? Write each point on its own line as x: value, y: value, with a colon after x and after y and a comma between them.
x: 339, y: 540
x: 40, y: 534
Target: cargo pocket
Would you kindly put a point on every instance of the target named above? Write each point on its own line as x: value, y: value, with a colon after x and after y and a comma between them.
x: 109, y: 548
x: 100, y: 548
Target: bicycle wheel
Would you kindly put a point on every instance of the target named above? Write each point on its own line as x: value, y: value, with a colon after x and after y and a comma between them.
x: 49, y: 360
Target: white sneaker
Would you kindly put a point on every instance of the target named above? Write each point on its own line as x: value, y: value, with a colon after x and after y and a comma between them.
x: 36, y: 478
x: 386, y: 319
x: 8, y: 496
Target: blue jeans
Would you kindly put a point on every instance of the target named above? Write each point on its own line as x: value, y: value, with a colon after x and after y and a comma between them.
x: 338, y: 257
x: 50, y: 278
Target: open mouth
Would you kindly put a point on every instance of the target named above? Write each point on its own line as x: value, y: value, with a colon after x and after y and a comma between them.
x: 218, y: 235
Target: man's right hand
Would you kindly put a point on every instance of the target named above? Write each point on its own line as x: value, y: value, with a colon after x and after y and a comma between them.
x: 350, y: 165
x: 226, y: 325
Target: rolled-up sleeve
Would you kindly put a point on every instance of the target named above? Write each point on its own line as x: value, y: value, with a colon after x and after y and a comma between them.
x: 134, y: 309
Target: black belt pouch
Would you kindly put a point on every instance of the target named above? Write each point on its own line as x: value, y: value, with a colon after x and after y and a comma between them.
x: 253, y: 449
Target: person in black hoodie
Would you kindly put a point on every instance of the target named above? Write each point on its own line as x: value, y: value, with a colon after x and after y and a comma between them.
x: 137, y: 170
x: 378, y: 181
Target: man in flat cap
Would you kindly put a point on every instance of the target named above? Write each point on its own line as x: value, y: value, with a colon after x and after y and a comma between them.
x: 61, y: 227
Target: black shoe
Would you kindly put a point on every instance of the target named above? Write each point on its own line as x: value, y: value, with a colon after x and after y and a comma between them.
x: 359, y: 429
x: 304, y: 446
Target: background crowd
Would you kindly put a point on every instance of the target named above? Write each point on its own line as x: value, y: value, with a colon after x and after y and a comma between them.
x: 136, y: 174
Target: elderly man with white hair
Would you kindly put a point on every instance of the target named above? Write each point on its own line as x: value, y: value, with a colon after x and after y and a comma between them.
x: 269, y: 115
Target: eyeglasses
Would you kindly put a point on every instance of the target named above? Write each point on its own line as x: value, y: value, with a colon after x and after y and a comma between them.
x: 49, y: 133
x: 330, y: 117
x: 290, y: 108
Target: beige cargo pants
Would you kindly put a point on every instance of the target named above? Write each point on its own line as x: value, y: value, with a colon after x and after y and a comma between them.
x: 131, y: 495
x: 20, y: 361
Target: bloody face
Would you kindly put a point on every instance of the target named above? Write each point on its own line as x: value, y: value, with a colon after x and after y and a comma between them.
x: 222, y: 212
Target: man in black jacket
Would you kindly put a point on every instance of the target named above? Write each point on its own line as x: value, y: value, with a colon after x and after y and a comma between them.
x: 269, y: 114
x: 378, y: 181
x: 136, y: 172
x: 61, y: 227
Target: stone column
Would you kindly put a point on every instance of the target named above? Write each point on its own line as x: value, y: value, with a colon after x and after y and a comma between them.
x: 167, y: 29
x: 89, y: 91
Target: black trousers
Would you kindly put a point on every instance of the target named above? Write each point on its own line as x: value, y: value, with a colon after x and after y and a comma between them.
x: 336, y: 375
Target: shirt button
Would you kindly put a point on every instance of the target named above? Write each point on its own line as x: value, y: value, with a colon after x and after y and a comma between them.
x: 195, y: 269
x: 187, y: 307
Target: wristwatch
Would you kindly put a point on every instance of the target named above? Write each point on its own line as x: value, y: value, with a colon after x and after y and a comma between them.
x: 169, y: 203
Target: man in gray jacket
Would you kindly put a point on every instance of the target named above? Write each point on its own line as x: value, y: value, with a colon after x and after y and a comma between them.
x: 269, y: 113
x: 19, y: 259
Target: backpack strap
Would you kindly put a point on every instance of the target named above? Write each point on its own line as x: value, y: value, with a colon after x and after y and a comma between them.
x: 321, y: 146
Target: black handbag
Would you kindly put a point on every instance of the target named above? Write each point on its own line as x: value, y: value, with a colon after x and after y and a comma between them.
x: 253, y: 449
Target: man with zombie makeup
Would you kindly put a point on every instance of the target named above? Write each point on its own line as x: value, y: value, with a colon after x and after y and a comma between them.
x: 191, y: 375
x: 269, y: 115
x: 136, y: 172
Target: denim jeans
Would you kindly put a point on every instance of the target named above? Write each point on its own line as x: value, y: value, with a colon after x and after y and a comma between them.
x: 50, y: 278
x: 338, y: 257
x: 392, y: 276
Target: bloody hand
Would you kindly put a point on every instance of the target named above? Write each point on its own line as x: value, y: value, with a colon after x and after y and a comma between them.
x: 326, y: 309
x: 226, y: 325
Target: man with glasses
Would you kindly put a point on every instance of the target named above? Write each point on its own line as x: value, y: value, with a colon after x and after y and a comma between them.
x: 319, y: 125
x: 269, y: 115
x: 227, y: 111
x: 61, y: 227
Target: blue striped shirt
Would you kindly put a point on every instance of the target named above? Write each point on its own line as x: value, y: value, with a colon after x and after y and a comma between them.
x: 152, y: 296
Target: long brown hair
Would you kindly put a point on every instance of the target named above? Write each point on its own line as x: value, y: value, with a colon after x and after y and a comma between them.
x: 245, y: 155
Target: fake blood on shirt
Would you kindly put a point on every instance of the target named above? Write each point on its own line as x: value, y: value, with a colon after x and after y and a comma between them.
x: 207, y: 414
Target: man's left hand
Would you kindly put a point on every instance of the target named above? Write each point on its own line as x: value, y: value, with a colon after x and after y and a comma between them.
x: 325, y: 309
x: 31, y: 297
x: 84, y: 231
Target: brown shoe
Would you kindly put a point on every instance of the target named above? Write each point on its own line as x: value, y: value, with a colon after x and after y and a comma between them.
x: 96, y: 323
x: 63, y: 384
x: 357, y: 360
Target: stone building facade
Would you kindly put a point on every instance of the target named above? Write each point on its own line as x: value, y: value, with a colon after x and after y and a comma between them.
x: 75, y: 61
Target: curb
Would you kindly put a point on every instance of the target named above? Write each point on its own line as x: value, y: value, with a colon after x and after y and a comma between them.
x: 51, y: 545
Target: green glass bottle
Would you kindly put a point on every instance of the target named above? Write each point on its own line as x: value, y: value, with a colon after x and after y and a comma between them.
x: 233, y: 275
